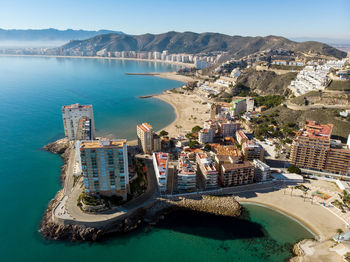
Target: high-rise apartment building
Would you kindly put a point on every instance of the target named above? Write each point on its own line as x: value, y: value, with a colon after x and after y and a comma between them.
x: 311, y: 145
x: 73, y: 115
x: 311, y: 149
x: 145, y: 137
x: 104, y: 164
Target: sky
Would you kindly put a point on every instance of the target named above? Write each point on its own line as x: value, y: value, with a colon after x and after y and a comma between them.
x: 289, y: 18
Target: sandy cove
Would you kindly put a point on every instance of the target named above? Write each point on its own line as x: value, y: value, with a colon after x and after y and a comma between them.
x: 190, y: 111
x: 316, y: 218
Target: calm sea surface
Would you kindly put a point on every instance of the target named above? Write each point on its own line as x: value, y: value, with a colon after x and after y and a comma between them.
x: 32, y: 91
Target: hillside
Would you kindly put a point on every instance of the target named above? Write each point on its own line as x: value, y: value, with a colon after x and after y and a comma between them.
x: 189, y: 42
x: 265, y: 82
x: 285, y: 115
x: 50, y: 34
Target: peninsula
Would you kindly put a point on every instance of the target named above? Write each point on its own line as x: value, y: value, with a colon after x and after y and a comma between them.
x: 227, y: 145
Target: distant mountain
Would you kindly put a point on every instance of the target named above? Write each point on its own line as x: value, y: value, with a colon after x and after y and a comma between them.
x: 189, y: 42
x: 50, y: 34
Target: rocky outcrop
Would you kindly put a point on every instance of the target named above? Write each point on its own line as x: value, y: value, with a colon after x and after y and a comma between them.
x: 61, y: 147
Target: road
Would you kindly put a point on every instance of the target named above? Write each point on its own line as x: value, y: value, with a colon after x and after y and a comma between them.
x: 73, y: 212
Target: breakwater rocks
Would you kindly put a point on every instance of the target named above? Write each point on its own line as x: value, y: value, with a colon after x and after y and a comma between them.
x: 222, y: 206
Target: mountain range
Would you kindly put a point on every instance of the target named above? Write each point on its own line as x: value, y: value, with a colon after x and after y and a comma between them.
x: 50, y: 34
x: 189, y: 42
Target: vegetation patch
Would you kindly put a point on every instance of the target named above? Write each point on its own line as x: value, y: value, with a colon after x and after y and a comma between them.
x: 339, y: 85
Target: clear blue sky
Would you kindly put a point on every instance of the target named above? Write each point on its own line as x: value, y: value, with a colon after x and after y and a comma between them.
x: 289, y: 18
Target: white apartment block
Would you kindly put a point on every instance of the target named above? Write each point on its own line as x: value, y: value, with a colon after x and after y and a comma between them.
x: 72, y: 115
x: 186, y: 176
x: 160, y: 164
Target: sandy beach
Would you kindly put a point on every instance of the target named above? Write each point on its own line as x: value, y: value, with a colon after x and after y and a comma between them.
x: 316, y: 218
x: 190, y: 111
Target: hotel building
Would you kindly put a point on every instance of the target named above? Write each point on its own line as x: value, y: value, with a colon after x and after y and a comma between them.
x: 186, y: 176
x: 104, y: 164
x: 73, y: 115
x: 160, y: 164
x: 145, y: 137
x: 206, y: 171
x: 311, y: 149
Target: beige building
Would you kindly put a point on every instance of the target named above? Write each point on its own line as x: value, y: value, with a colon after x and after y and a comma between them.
x: 145, y: 137
x: 104, y: 164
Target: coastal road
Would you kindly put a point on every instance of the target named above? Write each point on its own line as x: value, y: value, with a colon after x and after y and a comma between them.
x: 145, y: 199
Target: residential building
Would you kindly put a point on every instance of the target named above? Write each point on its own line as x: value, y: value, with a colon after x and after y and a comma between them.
x: 104, y: 164
x: 310, y: 146
x: 207, y: 175
x: 207, y: 134
x: 241, y: 137
x: 262, y: 170
x: 228, y: 128
x: 73, y: 115
x: 311, y: 149
x: 237, y: 174
x: 145, y: 137
x: 84, y: 129
x: 156, y: 143
x: 252, y: 150
x: 186, y: 176
x: 160, y: 164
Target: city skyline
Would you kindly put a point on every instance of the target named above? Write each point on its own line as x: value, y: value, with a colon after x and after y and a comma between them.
x: 302, y: 19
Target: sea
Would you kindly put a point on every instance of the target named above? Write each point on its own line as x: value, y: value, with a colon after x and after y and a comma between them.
x: 32, y: 92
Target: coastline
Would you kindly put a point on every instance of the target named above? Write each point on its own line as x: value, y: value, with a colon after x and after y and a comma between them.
x: 106, y: 58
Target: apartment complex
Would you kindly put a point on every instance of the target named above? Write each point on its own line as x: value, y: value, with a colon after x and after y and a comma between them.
x: 252, y: 150
x: 311, y: 149
x: 237, y: 173
x: 160, y: 164
x: 147, y: 140
x: 78, y: 115
x: 186, y: 176
x: 207, y: 175
x: 104, y: 164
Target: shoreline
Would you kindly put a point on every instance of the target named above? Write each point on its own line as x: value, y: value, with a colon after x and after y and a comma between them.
x: 106, y: 58
x: 295, y: 218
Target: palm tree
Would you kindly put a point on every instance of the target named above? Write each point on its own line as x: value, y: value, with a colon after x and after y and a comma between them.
x: 305, y: 195
x: 339, y: 232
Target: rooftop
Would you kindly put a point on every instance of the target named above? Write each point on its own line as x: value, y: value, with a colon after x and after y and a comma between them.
x: 231, y: 166
x: 313, y: 129
x: 162, y: 162
x: 103, y: 144
x: 145, y: 127
x: 76, y: 106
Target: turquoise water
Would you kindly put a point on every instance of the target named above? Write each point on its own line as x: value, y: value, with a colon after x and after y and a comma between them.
x: 32, y: 91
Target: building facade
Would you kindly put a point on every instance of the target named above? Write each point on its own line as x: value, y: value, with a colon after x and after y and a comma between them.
x: 104, y: 164
x: 72, y: 115
x: 160, y: 164
x: 145, y: 137
x: 186, y: 176
x: 311, y: 149
x: 207, y: 175
x: 252, y: 150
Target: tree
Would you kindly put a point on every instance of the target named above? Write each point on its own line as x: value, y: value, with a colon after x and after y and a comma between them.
x: 196, y: 129
x: 163, y: 133
x: 193, y: 144
x: 339, y: 232
x: 207, y: 147
x: 294, y: 169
